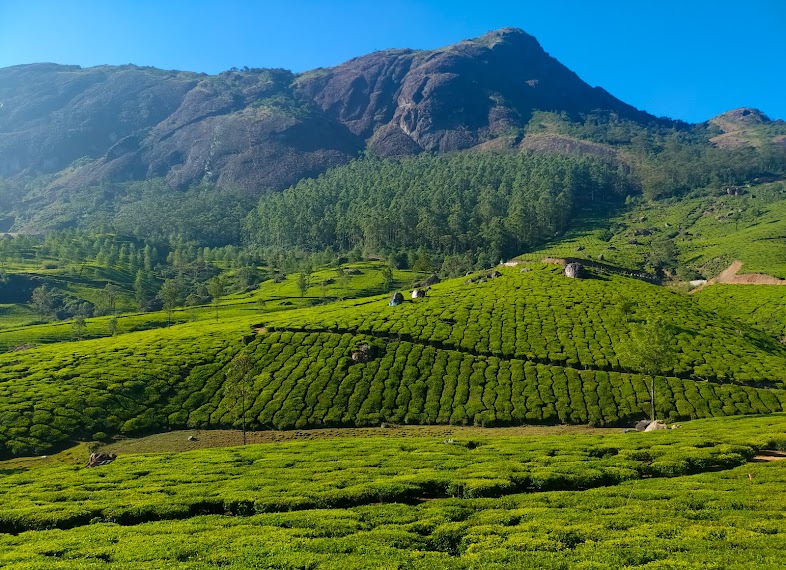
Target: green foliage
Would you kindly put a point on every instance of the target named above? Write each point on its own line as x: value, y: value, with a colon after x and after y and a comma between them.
x: 303, y: 283
x: 671, y: 159
x: 763, y: 307
x: 43, y: 302
x: 543, y: 317
x: 531, y: 347
x: 651, y: 349
x: 493, y: 501
x: 216, y: 290
x: 170, y: 295
x: 701, y: 233
x: 492, y: 204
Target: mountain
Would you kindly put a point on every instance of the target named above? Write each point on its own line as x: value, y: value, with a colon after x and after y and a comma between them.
x: 260, y: 129
x: 745, y: 127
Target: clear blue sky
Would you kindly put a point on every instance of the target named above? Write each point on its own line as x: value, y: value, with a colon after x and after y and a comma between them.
x: 686, y: 59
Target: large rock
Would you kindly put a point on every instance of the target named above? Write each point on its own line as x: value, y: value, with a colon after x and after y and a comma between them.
x: 100, y: 458
x: 363, y: 354
x: 574, y: 270
x: 655, y: 426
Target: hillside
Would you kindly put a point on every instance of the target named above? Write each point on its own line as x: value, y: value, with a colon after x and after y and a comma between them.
x: 695, y: 236
x: 173, y: 155
x: 747, y: 127
x: 532, y: 347
x: 258, y: 129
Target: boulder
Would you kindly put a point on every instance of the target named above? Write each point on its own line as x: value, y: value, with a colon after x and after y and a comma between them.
x: 574, y: 270
x: 396, y: 299
x: 642, y: 425
x: 656, y: 425
x: 100, y: 458
x: 364, y: 353
x: 432, y: 280
x: 418, y: 293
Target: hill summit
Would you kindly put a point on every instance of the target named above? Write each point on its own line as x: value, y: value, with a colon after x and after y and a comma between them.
x: 740, y: 118
x: 259, y: 129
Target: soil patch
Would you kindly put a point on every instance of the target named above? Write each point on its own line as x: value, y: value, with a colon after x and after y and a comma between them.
x: 769, y: 455
x: 730, y: 276
x: 177, y: 441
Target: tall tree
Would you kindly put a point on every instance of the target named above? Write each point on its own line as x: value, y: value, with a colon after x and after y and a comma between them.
x: 109, y: 297
x: 170, y: 296
x: 140, y: 289
x: 387, y: 278
x: 303, y: 283
x: 43, y: 302
x: 238, y: 387
x: 343, y: 277
x: 651, y: 349
x: 216, y: 290
x: 79, y: 326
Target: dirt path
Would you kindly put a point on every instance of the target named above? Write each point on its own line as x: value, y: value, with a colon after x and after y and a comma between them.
x: 770, y: 455
x: 730, y: 276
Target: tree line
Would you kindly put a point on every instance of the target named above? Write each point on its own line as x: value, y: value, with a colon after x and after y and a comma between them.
x: 493, y: 204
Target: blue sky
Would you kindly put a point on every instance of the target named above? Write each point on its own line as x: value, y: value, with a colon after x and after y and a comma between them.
x: 688, y: 59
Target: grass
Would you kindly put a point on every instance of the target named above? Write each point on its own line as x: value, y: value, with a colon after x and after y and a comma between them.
x: 177, y: 441
x: 20, y: 326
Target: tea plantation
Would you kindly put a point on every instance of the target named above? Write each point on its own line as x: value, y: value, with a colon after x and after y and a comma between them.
x: 684, y: 498
x: 531, y: 347
x: 542, y: 316
x: 707, y: 231
x: 762, y: 307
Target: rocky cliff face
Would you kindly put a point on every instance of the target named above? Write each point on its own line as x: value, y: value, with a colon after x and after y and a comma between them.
x: 265, y: 129
x: 453, y: 98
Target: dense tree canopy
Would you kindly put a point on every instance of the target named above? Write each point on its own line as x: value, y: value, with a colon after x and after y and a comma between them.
x: 499, y: 204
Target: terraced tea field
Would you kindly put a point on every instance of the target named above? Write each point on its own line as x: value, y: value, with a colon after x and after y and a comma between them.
x: 543, y: 317
x: 686, y: 498
x: 533, y: 347
x: 707, y: 231
x: 763, y: 307
x: 19, y: 328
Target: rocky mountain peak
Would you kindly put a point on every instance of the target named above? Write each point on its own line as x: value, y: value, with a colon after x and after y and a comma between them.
x: 265, y: 129
x: 739, y: 118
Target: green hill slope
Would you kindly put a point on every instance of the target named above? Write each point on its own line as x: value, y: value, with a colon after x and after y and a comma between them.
x: 701, y: 234
x: 522, y: 348
x: 544, y: 317
x: 762, y: 307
